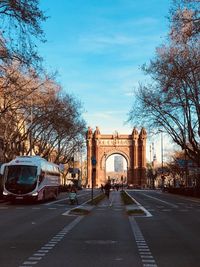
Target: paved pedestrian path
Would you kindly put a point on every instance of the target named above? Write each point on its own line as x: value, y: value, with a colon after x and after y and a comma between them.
x: 104, y: 238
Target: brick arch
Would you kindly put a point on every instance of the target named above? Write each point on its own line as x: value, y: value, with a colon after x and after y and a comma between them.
x: 131, y: 147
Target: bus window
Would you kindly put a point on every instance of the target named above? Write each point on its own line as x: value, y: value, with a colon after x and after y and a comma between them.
x: 20, y: 176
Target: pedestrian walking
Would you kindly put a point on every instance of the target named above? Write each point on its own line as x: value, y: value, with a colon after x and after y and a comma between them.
x: 107, y: 188
x: 102, y: 187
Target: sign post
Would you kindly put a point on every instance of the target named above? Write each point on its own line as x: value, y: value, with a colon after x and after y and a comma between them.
x: 94, y: 162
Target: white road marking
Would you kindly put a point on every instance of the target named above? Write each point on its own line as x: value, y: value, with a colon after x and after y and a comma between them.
x: 30, y: 262
x: 163, y: 201
x: 35, y: 258
x: 144, y: 251
x: 148, y: 261
x: 38, y: 254
x: 148, y: 214
x: 60, y: 200
x: 149, y: 265
x: 45, y: 248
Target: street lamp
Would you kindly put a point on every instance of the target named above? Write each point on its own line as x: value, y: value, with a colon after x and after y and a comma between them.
x: 162, y: 161
x: 31, y: 140
x: 185, y: 150
x: 162, y: 150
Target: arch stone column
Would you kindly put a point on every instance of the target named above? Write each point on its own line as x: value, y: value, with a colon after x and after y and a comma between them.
x: 142, y: 157
x: 135, y: 156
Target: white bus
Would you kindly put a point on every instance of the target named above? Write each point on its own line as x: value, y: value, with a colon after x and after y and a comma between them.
x: 30, y: 177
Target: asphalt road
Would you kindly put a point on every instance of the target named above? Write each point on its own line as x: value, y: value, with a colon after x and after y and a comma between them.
x: 173, y: 231
x: 45, y: 235
x: 25, y: 227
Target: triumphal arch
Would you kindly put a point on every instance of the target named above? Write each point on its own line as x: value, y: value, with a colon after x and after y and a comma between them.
x: 132, y: 147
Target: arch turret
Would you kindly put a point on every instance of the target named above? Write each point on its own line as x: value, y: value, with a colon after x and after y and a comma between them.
x: 135, y: 133
x: 89, y: 133
x: 97, y: 133
x: 143, y: 133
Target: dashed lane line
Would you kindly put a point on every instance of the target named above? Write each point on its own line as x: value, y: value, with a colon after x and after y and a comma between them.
x: 42, y: 252
x: 143, y: 249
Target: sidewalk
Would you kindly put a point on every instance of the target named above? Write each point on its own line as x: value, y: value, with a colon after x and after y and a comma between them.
x: 103, y: 238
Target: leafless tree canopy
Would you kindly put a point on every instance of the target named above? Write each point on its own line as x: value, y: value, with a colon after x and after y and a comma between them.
x: 171, y: 101
x: 20, y: 24
x: 38, y: 116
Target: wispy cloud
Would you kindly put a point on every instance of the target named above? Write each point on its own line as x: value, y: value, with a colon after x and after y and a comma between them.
x: 145, y: 21
x: 100, y: 41
x: 98, y: 48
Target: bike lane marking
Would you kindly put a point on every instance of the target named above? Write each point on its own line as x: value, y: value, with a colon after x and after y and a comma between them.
x: 41, y: 253
x: 143, y: 249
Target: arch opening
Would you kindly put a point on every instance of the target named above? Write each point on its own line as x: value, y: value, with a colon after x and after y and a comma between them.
x: 116, y: 166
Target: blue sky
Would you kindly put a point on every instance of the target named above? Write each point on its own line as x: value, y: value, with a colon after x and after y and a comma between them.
x: 98, y: 47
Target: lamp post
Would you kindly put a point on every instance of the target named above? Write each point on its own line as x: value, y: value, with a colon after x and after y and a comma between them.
x: 81, y: 176
x: 185, y: 150
x: 94, y: 162
x: 31, y: 141
x: 162, y: 150
x: 162, y: 160
x: 150, y: 154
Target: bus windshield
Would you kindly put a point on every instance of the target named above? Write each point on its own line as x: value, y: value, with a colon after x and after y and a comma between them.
x: 20, y: 178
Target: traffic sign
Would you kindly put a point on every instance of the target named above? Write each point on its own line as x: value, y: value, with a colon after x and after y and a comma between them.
x: 94, y: 162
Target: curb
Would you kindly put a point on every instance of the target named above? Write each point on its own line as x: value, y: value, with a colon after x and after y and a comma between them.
x: 137, y: 206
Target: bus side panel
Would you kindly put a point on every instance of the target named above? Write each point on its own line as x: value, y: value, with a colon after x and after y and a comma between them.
x: 41, y: 194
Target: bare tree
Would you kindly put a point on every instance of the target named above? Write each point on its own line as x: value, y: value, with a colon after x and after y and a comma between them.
x: 17, y: 83
x: 185, y: 20
x: 20, y: 90
x: 59, y: 128
x: 171, y: 100
x: 20, y: 24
